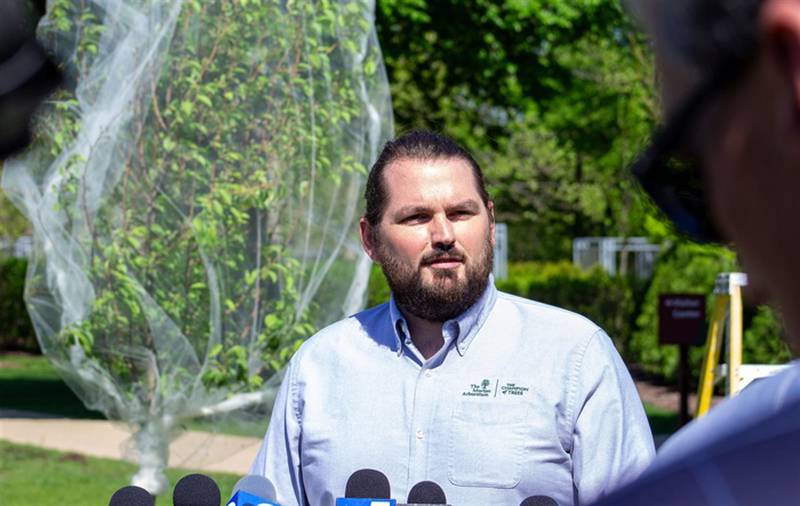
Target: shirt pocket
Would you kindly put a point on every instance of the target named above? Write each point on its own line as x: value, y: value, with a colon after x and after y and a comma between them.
x: 487, y: 443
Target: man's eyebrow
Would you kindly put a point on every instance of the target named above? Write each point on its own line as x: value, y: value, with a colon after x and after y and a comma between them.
x: 412, y: 209
x: 465, y: 205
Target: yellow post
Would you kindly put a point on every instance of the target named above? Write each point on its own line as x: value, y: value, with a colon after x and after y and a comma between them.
x: 727, y: 309
x: 736, y: 282
x: 711, y: 359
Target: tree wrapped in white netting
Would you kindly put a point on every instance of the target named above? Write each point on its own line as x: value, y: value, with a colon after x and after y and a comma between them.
x: 193, y: 194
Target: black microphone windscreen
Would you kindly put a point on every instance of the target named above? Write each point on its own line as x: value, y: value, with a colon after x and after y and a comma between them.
x: 367, y: 484
x: 196, y: 490
x: 132, y: 496
x: 539, y: 500
x: 256, y: 485
x: 426, y: 492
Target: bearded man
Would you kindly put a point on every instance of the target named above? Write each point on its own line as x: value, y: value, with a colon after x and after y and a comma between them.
x: 493, y: 397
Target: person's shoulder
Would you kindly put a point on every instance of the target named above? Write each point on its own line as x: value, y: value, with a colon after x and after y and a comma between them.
x: 540, y: 314
x: 342, y: 335
x: 748, y: 412
x: 748, y: 445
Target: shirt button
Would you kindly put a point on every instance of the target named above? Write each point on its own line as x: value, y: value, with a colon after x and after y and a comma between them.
x: 428, y: 374
x: 419, y: 434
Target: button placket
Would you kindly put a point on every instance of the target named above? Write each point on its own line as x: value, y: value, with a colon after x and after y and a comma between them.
x: 423, y: 406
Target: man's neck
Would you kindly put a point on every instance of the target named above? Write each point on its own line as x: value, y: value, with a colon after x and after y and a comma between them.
x: 426, y: 335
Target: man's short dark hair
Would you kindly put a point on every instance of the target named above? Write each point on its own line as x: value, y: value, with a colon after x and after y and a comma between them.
x: 414, y: 145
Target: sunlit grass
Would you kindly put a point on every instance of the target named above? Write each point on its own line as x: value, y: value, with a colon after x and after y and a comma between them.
x: 31, y: 475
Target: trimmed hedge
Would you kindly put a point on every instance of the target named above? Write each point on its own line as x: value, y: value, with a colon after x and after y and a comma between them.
x: 16, y: 331
x: 605, y: 299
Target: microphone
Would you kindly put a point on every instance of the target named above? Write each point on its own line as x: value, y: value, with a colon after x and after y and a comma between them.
x: 538, y: 500
x: 253, y: 490
x: 426, y: 493
x: 196, y: 490
x: 367, y: 487
x: 132, y: 496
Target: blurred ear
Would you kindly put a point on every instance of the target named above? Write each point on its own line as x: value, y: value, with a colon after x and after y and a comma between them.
x: 490, y: 208
x: 780, y: 29
x: 367, y: 238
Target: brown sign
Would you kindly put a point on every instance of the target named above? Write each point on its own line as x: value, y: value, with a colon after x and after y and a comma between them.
x: 681, y: 318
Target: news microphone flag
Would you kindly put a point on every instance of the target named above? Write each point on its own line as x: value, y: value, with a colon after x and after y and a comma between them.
x: 253, y: 490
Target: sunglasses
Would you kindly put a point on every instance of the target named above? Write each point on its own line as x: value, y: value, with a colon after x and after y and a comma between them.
x: 672, y: 173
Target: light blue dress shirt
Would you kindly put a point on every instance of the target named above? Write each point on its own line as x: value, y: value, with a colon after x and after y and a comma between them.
x: 523, y: 399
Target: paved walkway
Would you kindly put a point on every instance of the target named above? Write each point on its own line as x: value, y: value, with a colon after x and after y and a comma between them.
x: 201, y: 451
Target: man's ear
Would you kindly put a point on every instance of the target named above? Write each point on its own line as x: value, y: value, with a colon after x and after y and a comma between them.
x: 780, y: 31
x: 490, y: 208
x: 367, y: 232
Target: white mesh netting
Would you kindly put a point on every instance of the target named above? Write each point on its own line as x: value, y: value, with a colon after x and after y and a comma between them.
x: 193, y: 195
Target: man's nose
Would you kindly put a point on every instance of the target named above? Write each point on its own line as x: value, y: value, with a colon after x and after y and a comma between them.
x: 442, y: 234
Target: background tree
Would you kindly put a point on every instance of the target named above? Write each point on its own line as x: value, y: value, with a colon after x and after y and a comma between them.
x: 554, y: 97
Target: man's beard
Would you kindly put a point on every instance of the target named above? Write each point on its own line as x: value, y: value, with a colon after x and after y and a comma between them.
x: 448, y: 296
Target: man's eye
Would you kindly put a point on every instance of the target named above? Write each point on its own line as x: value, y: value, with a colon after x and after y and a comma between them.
x: 461, y: 215
x: 414, y: 218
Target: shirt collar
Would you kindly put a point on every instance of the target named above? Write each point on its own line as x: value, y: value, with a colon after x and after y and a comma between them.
x: 463, y: 327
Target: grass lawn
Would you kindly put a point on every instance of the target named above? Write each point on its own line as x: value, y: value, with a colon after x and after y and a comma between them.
x: 662, y: 421
x: 30, y: 383
x: 31, y: 475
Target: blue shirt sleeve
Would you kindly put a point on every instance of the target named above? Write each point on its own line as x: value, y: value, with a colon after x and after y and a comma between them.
x: 278, y: 458
x: 611, y: 441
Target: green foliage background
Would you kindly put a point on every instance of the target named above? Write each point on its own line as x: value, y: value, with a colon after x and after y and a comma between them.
x: 691, y: 268
x: 16, y: 332
x: 554, y: 98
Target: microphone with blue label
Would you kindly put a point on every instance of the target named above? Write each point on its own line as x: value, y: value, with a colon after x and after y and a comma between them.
x: 253, y: 490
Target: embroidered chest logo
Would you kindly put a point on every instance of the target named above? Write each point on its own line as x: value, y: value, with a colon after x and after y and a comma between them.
x: 482, y: 389
x: 513, y: 389
x: 491, y: 388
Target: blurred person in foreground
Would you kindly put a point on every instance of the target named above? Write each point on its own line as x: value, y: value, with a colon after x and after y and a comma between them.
x: 725, y: 167
x: 493, y: 397
x: 27, y: 76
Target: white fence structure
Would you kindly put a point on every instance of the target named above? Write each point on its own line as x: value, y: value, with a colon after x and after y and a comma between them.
x: 18, y: 247
x: 616, y: 255
x: 500, y: 267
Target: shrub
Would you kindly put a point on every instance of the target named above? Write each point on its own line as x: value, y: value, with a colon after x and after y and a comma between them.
x: 762, y: 342
x: 692, y: 268
x: 605, y: 299
x: 378, y: 289
x: 16, y: 331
